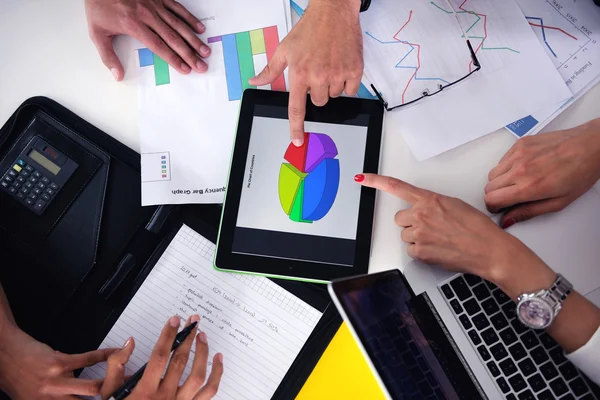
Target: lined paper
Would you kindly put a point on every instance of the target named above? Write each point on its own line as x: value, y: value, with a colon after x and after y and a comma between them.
x: 258, y: 326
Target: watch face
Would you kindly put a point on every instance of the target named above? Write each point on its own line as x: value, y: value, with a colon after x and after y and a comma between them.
x: 535, y: 313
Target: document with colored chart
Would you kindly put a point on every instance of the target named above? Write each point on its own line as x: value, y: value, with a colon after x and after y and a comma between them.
x: 188, y: 122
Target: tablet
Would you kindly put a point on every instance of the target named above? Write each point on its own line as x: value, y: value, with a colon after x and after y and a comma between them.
x: 296, y: 212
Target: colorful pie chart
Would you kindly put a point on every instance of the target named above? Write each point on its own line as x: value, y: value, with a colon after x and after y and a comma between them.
x: 309, y: 180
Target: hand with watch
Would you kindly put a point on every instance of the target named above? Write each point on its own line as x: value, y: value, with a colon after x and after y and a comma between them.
x: 449, y: 232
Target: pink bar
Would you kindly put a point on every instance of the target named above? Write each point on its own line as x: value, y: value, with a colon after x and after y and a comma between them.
x: 271, y: 43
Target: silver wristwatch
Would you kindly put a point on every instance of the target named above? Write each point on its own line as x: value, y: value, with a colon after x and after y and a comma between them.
x: 538, y: 310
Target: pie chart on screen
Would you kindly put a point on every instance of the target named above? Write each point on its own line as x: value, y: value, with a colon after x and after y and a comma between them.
x: 309, y: 178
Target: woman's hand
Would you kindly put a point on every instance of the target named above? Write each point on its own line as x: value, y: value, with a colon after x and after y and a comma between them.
x: 32, y: 370
x: 166, y: 27
x: 153, y: 385
x: 449, y: 232
x: 544, y: 173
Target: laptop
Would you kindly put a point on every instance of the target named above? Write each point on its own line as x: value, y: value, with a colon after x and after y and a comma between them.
x: 434, y: 334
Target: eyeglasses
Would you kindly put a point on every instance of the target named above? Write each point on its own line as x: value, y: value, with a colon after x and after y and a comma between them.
x: 427, y: 93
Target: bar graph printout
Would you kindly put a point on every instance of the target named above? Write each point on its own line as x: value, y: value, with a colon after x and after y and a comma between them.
x: 193, y: 117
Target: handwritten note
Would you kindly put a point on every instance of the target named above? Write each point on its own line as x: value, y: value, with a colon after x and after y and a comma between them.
x: 258, y: 326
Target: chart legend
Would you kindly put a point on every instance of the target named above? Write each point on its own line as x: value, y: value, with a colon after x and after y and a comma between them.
x: 244, y: 57
x: 309, y: 181
x: 161, y: 68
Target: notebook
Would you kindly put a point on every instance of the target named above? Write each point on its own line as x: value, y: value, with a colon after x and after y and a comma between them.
x: 257, y: 325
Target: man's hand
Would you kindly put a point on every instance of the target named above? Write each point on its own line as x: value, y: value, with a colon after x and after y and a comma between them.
x: 165, y: 26
x: 324, y: 54
x: 32, y: 370
x: 449, y: 232
x: 545, y: 173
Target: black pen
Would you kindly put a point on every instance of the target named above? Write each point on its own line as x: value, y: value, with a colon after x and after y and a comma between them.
x: 126, y: 389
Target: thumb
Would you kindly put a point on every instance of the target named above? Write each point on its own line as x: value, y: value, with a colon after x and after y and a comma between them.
x: 115, y: 368
x: 107, y: 53
x: 525, y: 211
x: 272, y: 71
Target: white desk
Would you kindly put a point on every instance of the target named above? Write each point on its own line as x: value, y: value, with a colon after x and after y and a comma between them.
x: 45, y: 50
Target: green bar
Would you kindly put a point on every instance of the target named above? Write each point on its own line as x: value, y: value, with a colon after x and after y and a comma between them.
x: 258, y: 41
x: 245, y: 58
x: 161, y: 71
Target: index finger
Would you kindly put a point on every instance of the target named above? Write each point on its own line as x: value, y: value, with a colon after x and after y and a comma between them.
x: 395, y: 187
x: 297, y: 112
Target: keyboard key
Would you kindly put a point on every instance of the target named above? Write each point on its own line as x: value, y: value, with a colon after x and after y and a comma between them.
x: 508, y: 367
x: 537, y: 383
x: 481, y: 292
x: 508, y: 336
x: 530, y: 340
x: 9, y: 179
x: 29, y: 202
x: 545, y: 395
x: 41, y: 185
x: 447, y: 291
x: 517, y: 351
x: 549, y: 370
x: 485, y: 355
x: 20, y: 196
x: 32, y: 196
x: 24, y: 190
x: 503, y: 385
x: 28, y: 185
x: 37, y: 191
x: 568, y: 397
x: 493, y: 369
x: 464, y: 320
x: 517, y: 383
x: 12, y: 190
x: 29, y: 168
x: 36, y: 174
x: 568, y: 371
x: 45, y: 180
x: 16, y: 185
x: 39, y: 206
x: 489, y: 336
x: 474, y: 337
x: 511, y: 396
x: 471, y: 306
x: 547, y: 341
x: 33, y: 179
x: 588, y: 396
x: 472, y: 280
x: 12, y: 173
x: 460, y: 287
x: 20, y: 179
x: 578, y: 387
x: 526, y: 395
x: 45, y: 197
x: 25, y: 174
x: 5, y: 184
x: 456, y: 306
x: 499, y: 321
x: 53, y: 186
x: 558, y: 356
x: 509, y: 310
x: 518, y: 326
x: 481, y: 322
x: 50, y: 191
x: 559, y: 387
x: 500, y: 296
x: 527, y: 367
x: 490, y: 285
x: 498, y: 351
x: 490, y: 307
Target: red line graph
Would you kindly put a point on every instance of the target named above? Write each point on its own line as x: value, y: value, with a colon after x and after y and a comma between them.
x: 418, y: 46
x: 553, y: 27
x: 485, y: 35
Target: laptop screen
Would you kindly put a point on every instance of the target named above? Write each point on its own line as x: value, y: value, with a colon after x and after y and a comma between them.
x: 404, y: 340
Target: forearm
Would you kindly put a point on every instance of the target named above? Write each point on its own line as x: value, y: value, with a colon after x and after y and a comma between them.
x: 344, y: 8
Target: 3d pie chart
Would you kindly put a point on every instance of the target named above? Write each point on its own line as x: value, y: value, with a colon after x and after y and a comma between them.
x: 309, y: 180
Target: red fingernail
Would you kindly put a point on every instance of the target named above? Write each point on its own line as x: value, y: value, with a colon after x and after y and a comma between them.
x: 359, y: 178
x: 508, y: 223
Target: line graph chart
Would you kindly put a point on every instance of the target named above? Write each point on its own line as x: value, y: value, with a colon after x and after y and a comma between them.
x: 543, y: 30
x: 420, y: 46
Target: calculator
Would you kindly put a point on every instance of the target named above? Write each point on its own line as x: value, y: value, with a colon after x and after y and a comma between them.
x: 37, y: 175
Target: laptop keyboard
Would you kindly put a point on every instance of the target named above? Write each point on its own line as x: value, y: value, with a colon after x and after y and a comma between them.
x: 525, y: 363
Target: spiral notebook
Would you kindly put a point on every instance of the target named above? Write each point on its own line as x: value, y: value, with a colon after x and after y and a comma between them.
x: 257, y: 325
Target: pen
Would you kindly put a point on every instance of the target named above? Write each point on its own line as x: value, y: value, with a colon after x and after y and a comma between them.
x: 126, y: 389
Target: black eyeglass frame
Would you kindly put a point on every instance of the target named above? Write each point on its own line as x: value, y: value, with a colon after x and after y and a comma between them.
x: 442, y: 87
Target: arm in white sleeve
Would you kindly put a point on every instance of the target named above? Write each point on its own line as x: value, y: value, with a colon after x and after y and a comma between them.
x: 587, y: 358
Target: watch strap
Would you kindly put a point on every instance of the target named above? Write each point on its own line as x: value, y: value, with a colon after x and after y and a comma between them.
x: 560, y: 289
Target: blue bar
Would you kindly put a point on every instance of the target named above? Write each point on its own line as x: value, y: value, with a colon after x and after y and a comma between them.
x: 232, y: 67
x: 146, y: 57
x: 522, y: 126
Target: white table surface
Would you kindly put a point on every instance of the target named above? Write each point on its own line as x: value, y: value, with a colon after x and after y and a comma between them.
x: 45, y: 50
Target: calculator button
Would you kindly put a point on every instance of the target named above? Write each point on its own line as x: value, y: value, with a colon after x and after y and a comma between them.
x: 16, y: 185
x: 20, y: 179
x: 20, y: 196
x: 45, y: 197
x: 29, y: 168
x: 41, y: 185
x: 12, y: 173
x: 32, y: 196
x: 50, y: 192
x: 5, y: 184
x: 36, y: 174
x: 32, y: 179
x: 45, y: 180
x: 28, y: 185
x: 17, y: 168
x: 39, y: 206
x: 37, y: 191
x: 21, y: 163
x: 53, y: 186
x: 24, y: 190
x: 29, y: 202
x: 9, y: 179
x: 24, y: 174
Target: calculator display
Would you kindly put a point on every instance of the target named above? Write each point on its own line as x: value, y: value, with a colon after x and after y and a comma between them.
x: 44, y: 162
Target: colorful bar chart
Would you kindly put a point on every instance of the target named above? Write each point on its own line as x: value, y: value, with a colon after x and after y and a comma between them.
x: 161, y: 68
x: 242, y: 53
